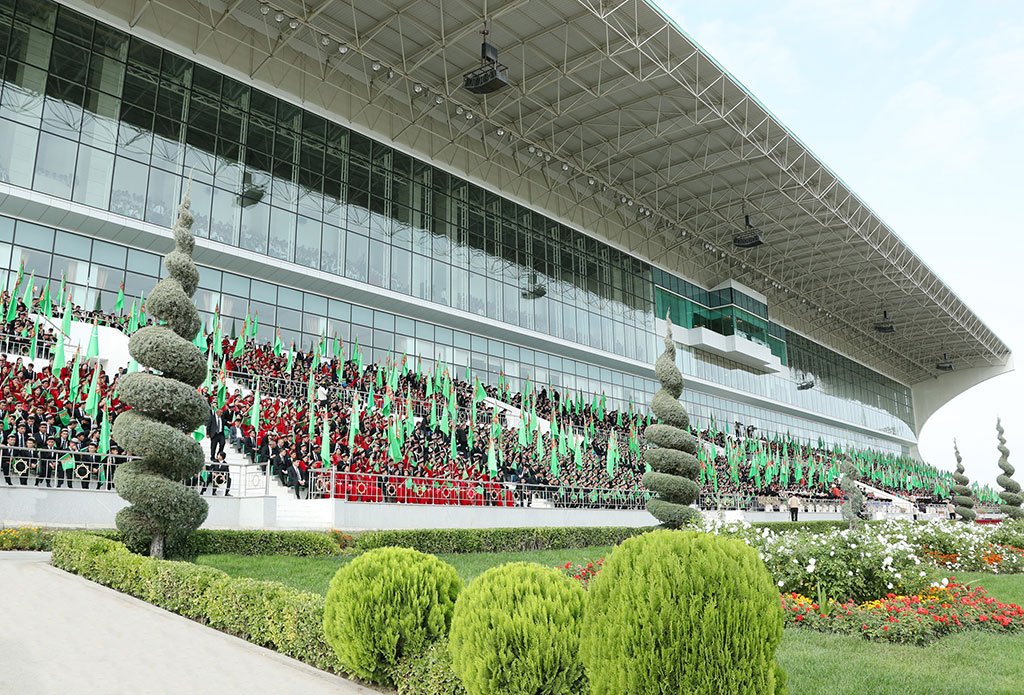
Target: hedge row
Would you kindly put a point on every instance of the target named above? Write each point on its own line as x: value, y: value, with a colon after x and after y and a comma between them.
x: 206, y: 541
x: 495, y: 540
x: 269, y: 614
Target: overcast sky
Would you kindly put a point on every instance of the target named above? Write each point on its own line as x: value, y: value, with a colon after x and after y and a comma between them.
x: 919, y: 107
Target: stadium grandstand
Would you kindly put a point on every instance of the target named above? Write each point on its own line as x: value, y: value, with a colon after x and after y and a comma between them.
x: 436, y: 261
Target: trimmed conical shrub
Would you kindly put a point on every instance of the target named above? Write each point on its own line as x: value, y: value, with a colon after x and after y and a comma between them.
x: 516, y: 631
x: 163, y: 512
x: 962, y: 500
x: 674, y: 467
x: 854, y: 498
x: 1011, y: 488
x: 682, y: 612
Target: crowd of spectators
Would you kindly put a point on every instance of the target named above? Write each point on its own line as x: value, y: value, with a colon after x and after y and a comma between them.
x: 434, y: 460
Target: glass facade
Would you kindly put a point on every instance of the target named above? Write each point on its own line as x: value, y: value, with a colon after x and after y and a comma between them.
x: 101, y: 118
x: 92, y: 115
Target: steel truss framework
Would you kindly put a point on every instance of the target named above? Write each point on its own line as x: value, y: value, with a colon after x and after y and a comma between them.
x: 617, y: 123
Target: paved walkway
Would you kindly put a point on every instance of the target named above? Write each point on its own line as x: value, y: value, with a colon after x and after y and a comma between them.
x: 62, y: 634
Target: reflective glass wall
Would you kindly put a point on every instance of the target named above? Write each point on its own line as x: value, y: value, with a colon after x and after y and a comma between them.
x: 94, y: 270
x: 92, y: 115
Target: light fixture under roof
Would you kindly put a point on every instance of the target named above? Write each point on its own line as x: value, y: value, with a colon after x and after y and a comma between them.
x: 946, y: 365
x: 343, y: 49
x: 293, y: 24
x: 264, y: 10
x: 885, y: 325
x: 491, y: 75
x: 749, y: 238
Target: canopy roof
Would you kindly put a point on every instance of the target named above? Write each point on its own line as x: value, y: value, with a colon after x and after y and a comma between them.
x: 617, y: 122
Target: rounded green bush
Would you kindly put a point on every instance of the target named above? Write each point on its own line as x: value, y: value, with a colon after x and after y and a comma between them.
x: 385, y: 604
x: 516, y: 630
x: 682, y: 612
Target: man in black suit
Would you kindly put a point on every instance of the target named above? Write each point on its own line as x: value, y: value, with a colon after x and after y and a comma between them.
x: 7, y: 457
x: 215, y: 431
x: 297, y: 478
x: 218, y: 471
x: 281, y: 463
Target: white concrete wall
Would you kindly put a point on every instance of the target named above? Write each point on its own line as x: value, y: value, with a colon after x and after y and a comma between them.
x: 356, y: 516
x: 96, y: 509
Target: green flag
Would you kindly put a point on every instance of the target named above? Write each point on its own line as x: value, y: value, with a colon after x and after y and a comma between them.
x: 239, y: 346
x: 254, y: 412
x: 65, y: 324
x: 104, y: 446
x: 29, y: 290
x: 119, y: 303
x: 34, y: 345
x: 277, y: 344
x: 47, y: 304
x: 58, y: 357
x: 492, y: 464
x: 291, y: 358
x: 353, y: 424
x: 92, y: 401
x: 94, y: 342
x: 325, y: 441
x: 75, y: 379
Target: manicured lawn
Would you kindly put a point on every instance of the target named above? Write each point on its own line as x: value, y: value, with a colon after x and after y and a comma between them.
x: 314, y: 573
x: 976, y: 663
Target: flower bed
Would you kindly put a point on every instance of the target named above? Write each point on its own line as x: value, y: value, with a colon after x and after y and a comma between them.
x: 914, y: 619
x: 583, y: 573
x: 26, y: 538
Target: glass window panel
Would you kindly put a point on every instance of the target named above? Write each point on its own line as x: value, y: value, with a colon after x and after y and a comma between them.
x: 17, y: 153
x: 108, y: 254
x: 128, y: 196
x: 34, y: 236
x: 314, y: 304
x: 62, y: 117
x: 282, y: 234
x: 255, y: 227
x: 225, y: 218
x: 99, y: 120
x: 307, y: 242
x: 341, y: 311
x: 421, y: 285
x: 356, y: 252
x: 380, y: 263
x: 162, y: 201
x: 401, y: 270
x: 142, y: 262
x: 263, y: 292
x: 289, y: 299
x: 55, y: 165
x: 440, y: 282
x: 22, y: 98
x: 93, y: 177
x: 362, y: 315
x: 332, y: 250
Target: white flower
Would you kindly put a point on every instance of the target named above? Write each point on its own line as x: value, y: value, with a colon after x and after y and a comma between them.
x: 890, y: 585
x: 780, y: 582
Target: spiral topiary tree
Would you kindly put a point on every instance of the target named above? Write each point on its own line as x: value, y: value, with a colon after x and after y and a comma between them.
x: 1011, y: 488
x: 854, y: 498
x: 163, y: 512
x: 962, y: 499
x: 674, y: 468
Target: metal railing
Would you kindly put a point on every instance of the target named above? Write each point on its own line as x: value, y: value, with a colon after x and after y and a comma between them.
x: 25, y: 466
x: 19, y: 345
x: 397, y: 489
